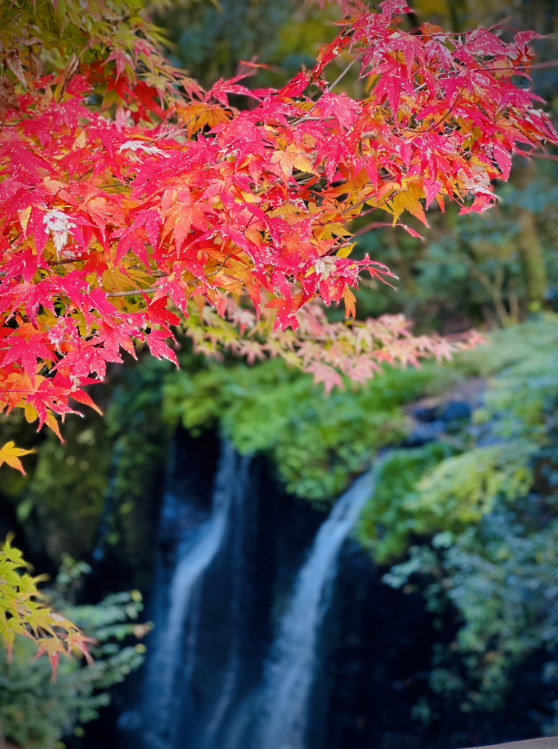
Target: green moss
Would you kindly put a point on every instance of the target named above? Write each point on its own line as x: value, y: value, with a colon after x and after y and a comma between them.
x: 66, y: 493
x: 317, y: 442
x: 463, y: 488
x: 389, y: 520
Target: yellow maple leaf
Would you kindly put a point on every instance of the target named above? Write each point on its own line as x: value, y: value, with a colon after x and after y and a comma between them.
x: 292, y: 158
x: 10, y: 455
x: 409, y: 200
x: 197, y: 115
x: 349, y: 299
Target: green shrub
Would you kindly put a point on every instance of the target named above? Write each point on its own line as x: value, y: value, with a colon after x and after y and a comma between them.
x: 36, y: 711
x: 317, y: 443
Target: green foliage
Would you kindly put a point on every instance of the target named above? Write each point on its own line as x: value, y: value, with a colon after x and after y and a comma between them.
x: 111, y: 32
x: 429, y: 490
x: 140, y: 440
x: 470, y: 270
x: 489, y: 517
x: 317, y: 443
x: 527, y: 345
x: 116, y: 462
x: 505, y: 586
x: 68, y: 520
x: 461, y: 489
x: 389, y: 519
x: 211, y: 39
x: 500, y: 576
x: 36, y: 712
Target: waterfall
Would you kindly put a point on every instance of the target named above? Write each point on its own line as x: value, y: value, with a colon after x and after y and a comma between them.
x: 172, y: 658
x: 203, y: 686
x: 289, y: 675
x: 237, y: 577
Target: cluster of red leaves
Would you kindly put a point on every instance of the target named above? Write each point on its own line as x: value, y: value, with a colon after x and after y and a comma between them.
x: 113, y: 229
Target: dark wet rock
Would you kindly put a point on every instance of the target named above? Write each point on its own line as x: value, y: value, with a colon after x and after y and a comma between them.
x: 424, y: 413
x: 455, y: 410
x: 445, y: 414
x: 424, y: 432
x: 445, y: 411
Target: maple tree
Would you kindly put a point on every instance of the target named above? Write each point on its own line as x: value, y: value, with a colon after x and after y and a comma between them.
x: 133, y: 200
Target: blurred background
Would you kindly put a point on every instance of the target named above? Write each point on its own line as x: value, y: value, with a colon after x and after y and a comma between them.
x: 204, y: 531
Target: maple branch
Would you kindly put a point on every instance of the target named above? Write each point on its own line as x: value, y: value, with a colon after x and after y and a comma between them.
x: 447, y: 114
x: 342, y: 75
x: 362, y: 202
x: 549, y: 156
x: 220, y: 267
x: 301, y: 178
x: 488, y: 30
x: 371, y: 225
x: 535, y: 65
x: 67, y: 260
x: 130, y: 292
x: 113, y: 184
x: 85, y: 174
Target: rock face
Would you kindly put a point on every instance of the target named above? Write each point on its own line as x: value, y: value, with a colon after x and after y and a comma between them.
x: 432, y: 418
x: 223, y: 565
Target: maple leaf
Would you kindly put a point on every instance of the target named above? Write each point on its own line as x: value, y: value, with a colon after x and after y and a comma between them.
x: 291, y: 158
x: 326, y: 374
x: 409, y: 200
x: 158, y: 347
x: 10, y: 454
x: 221, y: 88
x: 25, y: 347
x: 349, y: 299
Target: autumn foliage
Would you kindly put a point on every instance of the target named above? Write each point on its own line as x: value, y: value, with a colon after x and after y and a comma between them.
x: 133, y: 201
x: 25, y: 613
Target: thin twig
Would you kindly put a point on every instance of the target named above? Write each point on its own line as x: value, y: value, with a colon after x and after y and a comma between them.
x: 447, y: 114
x: 339, y: 78
x: 130, y: 292
x: 342, y: 75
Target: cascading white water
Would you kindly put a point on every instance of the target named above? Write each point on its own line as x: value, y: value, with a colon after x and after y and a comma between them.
x: 166, y: 672
x: 290, y: 670
x: 236, y: 575
x: 198, y: 692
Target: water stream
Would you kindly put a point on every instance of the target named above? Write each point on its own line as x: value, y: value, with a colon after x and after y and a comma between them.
x: 291, y: 668
x: 177, y: 614
x: 208, y: 683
